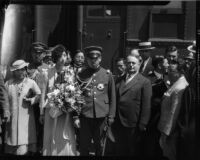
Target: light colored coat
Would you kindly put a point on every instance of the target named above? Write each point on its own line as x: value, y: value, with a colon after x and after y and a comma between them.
x: 170, y: 106
x: 21, y: 128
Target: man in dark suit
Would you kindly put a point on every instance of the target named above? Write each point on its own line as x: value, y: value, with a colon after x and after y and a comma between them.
x: 120, y: 67
x: 99, y: 93
x: 4, y: 109
x: 157, y: 77
x: 133, y: 93
x: 145, y: 52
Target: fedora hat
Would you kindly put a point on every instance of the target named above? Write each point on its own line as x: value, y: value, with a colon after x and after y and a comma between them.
x: 145, y: 46
x: 18, y: 64
x: 192, y: 48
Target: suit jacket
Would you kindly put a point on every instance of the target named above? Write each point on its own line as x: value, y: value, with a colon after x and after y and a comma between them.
x: 134, y: 101
x: 99, y: 94
x: 170, y: 106
x: 158, y: 89
x: 148, y: 68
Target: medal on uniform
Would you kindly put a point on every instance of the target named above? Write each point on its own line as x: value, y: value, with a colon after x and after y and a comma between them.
x: 100, y: 87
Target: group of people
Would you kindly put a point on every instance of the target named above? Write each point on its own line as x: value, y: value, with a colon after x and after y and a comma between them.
x: 143, y: 110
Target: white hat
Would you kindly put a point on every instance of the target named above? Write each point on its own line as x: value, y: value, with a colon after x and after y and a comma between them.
x: 18, y: 64
x: 145, y: 46
x: 192, y: 48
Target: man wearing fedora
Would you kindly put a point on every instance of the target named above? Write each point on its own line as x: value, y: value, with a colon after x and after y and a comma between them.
x: 187, y: 117
x: 189, y: 60
x: 145, y: 52
x: 36, y: 71
x: 99, y: 93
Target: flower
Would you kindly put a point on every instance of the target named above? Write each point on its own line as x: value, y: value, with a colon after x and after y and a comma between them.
x: 67, y: 95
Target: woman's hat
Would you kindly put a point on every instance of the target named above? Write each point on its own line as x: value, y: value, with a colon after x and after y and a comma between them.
x: 145, y: 46
x: 192, y: 48
x: 18, y: 64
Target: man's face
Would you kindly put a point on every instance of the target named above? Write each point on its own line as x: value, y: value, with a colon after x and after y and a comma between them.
x: 121, y: 67
x: 94, y: 62
x: 145, y: 54
x: 188, y: 62
x: 38, y: 57
x: 172, y: 55
x: 132, y: 64
x: 165, y: 65
x: 79, y: 58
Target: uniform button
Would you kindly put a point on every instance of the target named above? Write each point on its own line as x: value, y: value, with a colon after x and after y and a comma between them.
x: 94, y: 80
x: 94, y: 74
x: 94, y: 92
x: 94, y: 98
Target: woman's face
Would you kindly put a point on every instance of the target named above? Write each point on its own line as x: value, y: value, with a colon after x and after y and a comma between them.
x: 79, y: 58
x: 20, y: 73
x: 64, y: 59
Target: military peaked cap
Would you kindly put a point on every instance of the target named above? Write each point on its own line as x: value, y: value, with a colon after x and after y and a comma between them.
x: 89, y: 51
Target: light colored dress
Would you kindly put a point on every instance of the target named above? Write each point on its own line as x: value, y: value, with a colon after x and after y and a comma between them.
x: 59, y: 135
x: 20, y: 133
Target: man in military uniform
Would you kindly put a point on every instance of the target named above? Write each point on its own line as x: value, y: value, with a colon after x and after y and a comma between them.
x: 99, y: 94
x: 36, y: 71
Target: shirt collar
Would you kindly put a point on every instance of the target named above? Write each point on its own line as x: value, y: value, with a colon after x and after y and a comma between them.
x: 158, y: 75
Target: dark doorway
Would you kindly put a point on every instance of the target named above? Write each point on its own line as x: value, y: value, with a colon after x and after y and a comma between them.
x: 104, y: 25
x: 65, y: 31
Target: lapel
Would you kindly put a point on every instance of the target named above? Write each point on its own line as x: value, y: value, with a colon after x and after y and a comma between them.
x: 122, y: 84
x: 124, y: 87
x: 147, y: 67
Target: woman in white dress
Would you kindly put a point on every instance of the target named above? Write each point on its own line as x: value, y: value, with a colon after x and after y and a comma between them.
x: 59, y: 136
x: 23, y: 92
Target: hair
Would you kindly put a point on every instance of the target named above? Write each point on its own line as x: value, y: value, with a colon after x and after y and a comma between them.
x: 171, y: 49
x: 57, y: 52
x: 120, y: 59
x: 138, y: 58
x: 157, y: 59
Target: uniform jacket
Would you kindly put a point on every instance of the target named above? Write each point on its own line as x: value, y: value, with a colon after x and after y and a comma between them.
x: 100, y: 93
x: 134, y: 100
x: 148, y: 68
x: 170, y: 106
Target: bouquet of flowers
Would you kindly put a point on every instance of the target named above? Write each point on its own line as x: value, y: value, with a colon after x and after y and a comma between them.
x: 66, y: 96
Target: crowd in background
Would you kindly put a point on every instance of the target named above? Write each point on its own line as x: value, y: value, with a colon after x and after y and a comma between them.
x: 146, y: 109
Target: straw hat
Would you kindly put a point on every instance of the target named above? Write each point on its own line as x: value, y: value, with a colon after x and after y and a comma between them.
x: 145, y: 46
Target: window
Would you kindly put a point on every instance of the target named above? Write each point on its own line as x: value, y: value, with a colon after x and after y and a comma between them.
x: 167, y: 21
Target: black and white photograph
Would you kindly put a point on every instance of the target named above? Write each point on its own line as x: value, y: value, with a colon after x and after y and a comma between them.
x: 99, y: 79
